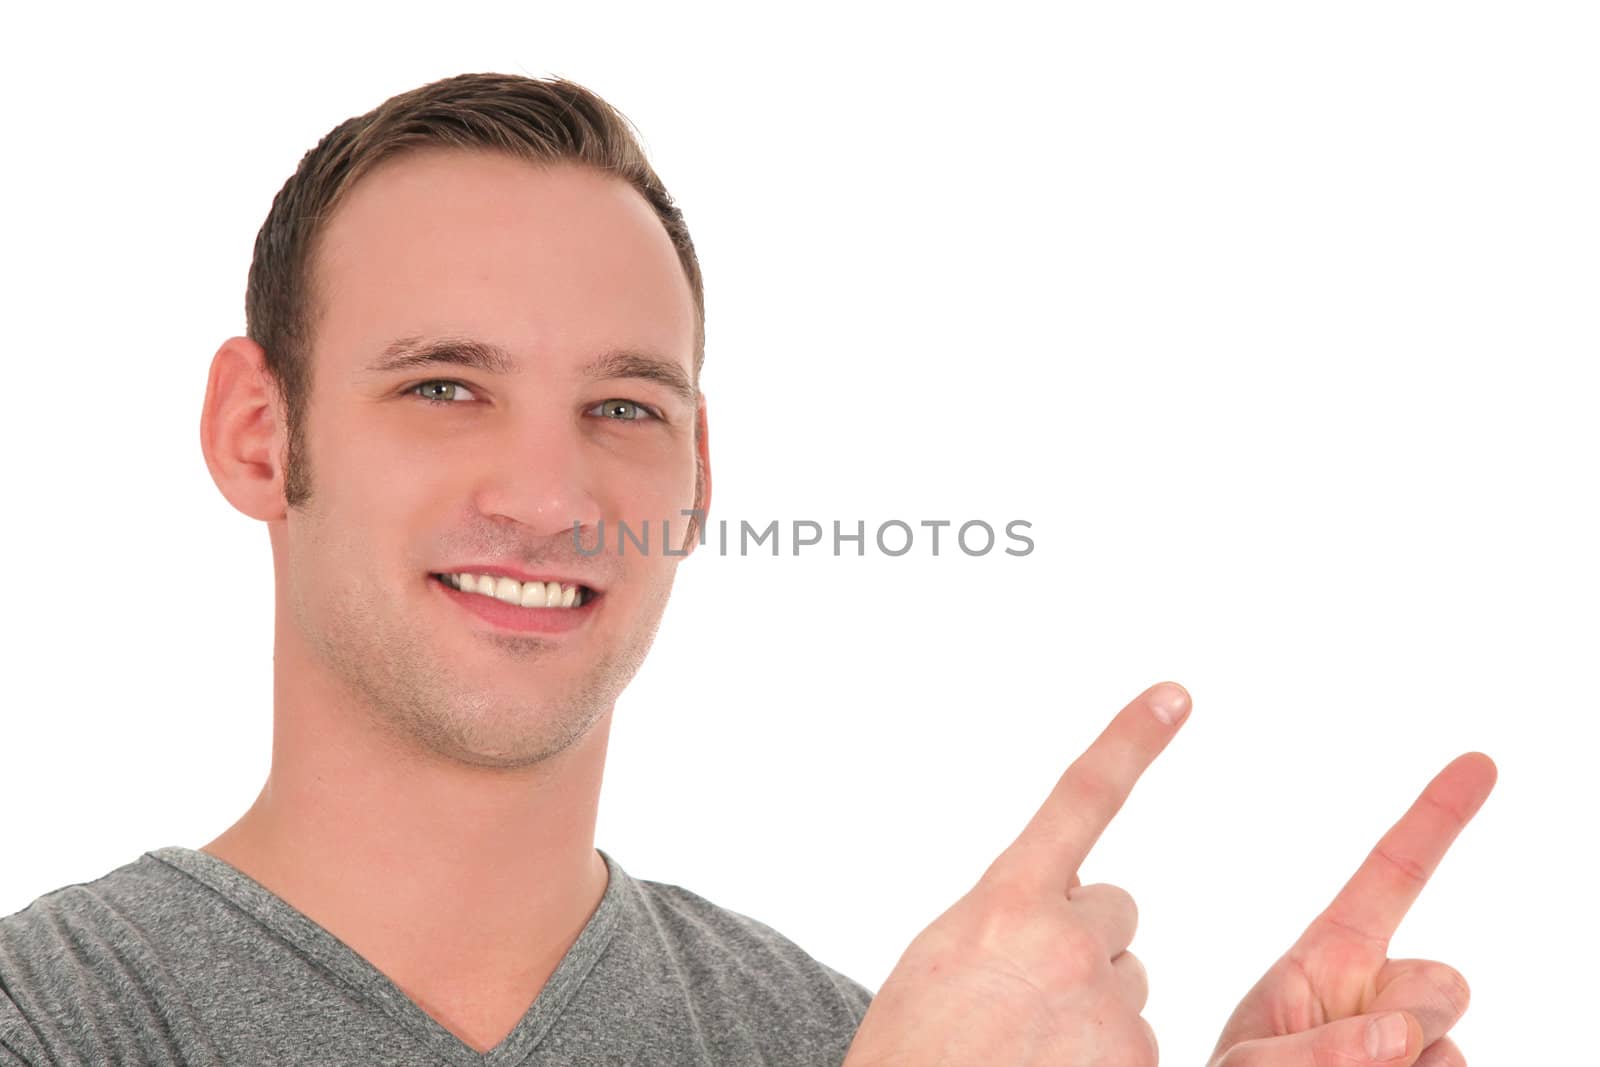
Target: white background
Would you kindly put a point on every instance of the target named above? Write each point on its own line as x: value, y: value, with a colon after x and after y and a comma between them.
x: 1276, y: 320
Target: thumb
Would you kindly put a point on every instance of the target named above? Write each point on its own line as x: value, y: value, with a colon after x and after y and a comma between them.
x: 1393, y: 1039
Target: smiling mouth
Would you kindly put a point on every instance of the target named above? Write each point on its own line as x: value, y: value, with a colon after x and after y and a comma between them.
x: 520, y: 594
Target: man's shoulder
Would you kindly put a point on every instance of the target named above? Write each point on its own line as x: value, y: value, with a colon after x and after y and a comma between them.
x: 62, y: 951
x: 75, y: 940
x: 120, y: 894
x: 108, y: 894
x: 690, y: 914
x: 729, y: 948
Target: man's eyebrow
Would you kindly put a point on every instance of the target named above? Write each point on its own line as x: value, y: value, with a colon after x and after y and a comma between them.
x: 409, y: 353
x: 412, y: 353
x: 625, y: 363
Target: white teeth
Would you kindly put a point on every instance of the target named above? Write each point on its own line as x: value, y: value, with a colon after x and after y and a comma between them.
x: 523, y: 594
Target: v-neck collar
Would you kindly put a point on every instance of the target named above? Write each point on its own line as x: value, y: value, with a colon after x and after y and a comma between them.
x: 323, y: 948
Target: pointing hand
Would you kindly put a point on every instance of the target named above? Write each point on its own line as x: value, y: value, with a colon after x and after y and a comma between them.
x: 1326, y: 1000
x: 1031, y: 967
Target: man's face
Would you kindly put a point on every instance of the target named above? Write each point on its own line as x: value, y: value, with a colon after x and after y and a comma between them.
x: 412, y: 476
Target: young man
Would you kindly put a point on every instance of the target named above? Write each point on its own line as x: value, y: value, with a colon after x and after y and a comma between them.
x: 475, y: 327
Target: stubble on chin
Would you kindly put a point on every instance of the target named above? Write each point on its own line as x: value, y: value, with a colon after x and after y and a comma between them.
x: 435, y: 711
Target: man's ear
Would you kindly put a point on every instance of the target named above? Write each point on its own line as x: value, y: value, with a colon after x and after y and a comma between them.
x: 241, y: 430
x: 702, y: 478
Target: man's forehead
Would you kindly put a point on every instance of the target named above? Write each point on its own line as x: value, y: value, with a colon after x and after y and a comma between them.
x: 420, y: 186
x: 470, y: 247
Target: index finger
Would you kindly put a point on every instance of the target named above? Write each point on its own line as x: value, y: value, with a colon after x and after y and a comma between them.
x: 1056, y: 840
x: 1378, y: 895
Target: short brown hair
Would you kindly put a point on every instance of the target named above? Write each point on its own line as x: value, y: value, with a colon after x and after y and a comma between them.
x: 542, y: 120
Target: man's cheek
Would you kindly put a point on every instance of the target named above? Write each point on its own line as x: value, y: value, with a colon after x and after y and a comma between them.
x: 661, y: 499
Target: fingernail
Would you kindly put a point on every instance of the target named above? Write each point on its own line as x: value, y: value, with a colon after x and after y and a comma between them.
x: 1169, y: 702
x: 1386, y: 1037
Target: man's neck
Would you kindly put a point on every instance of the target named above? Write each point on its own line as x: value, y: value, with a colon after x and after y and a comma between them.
x: 464, y: 885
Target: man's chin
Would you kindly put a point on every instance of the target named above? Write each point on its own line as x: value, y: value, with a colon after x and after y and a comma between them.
x: 505, y: 733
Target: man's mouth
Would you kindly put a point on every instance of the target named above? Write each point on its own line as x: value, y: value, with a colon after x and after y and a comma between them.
x: 530, y: 594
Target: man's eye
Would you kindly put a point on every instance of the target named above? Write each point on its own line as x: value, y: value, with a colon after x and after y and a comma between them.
x: 622, y: 410
x: 449, y: 392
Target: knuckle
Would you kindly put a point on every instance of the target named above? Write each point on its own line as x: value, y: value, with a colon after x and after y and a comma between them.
x: 993, y: 922
x: 1135, y: 978
x: 1125, y: 901
x: 1083, y: 930
x: 1452, y: 986
x: 1354, y: 1050
x: 1409, y: 868
x: 1107, y: 898
x: 1146, y: 1052
x: 1093, y: 788
x: 1080, y: 957
x: 1086, y: 894
x: 1130, y: 1043
x: 1442, y: 1053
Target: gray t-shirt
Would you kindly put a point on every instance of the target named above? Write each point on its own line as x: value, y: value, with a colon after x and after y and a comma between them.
x: 180, y: 958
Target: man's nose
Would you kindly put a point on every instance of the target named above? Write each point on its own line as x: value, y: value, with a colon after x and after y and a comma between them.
x: 539, y: 475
